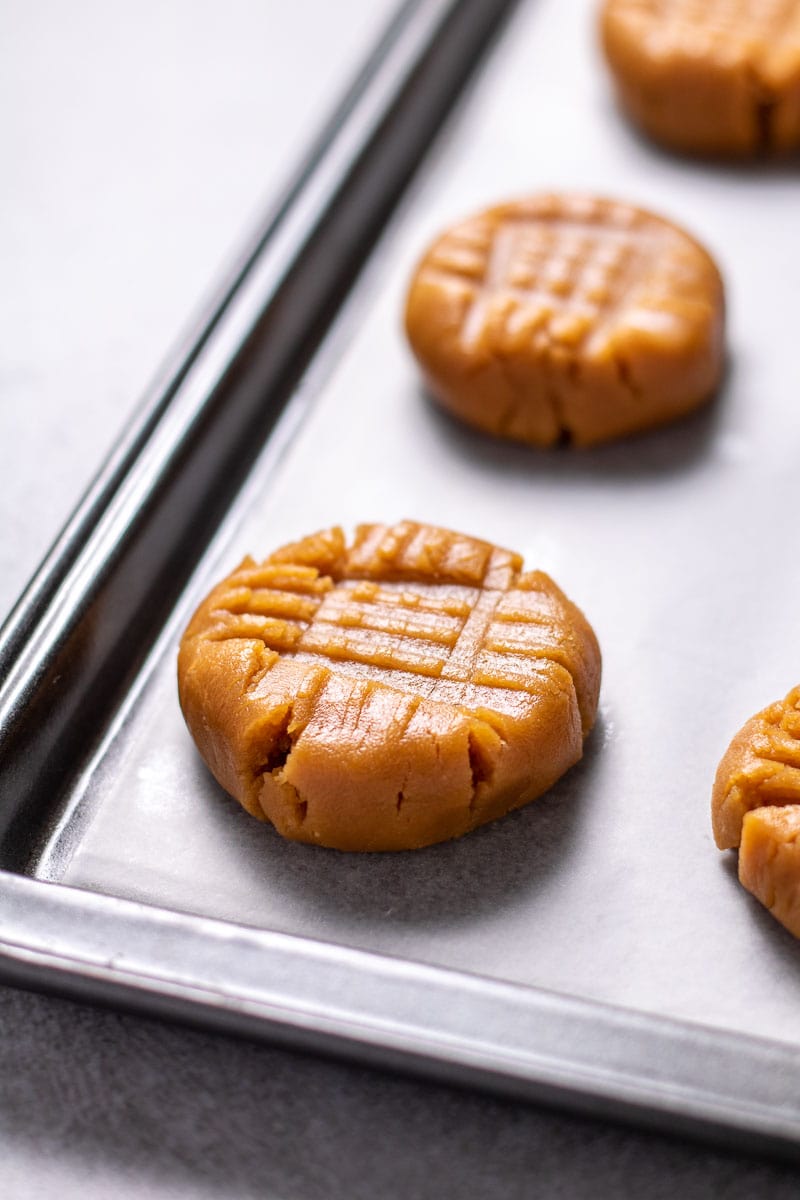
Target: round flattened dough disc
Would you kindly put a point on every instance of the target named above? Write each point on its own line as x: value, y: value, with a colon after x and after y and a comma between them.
x: 388, y: 693
x: 564, y: 316
x: 711, y: 77
x: 755, y: 805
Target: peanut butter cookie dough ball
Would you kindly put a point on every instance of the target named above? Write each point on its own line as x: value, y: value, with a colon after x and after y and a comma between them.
x: 755, y: 805
x: 388, y: 693
x: 713, y: 77
x: 567, y: 317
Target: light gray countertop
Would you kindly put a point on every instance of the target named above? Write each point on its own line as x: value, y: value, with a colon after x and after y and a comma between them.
x: 138, y: 142
x: 96, y: 1105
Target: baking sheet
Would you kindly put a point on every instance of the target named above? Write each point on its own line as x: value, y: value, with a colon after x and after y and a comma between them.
x: 610, y: 887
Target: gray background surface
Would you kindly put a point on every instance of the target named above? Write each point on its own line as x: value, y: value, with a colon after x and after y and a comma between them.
x: 136, y: 146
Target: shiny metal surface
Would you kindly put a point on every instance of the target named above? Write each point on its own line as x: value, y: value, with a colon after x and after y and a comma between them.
x: 609, y: 889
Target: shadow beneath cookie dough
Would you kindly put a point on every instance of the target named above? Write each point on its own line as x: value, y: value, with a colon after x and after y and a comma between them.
x: 449, y: 883
x: 775, y: 940
x: 667, y: 450
x: 762, y: 166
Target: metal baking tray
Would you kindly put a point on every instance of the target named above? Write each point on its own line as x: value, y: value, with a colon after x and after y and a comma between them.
x: 592, y: 950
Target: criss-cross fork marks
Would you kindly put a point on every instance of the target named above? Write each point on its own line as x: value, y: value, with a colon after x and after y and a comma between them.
x: 269, y: 603
x: 777, y: 739
x: 741, y: 25
x: 557, y: 280
x: 444, y: 642
x: 761, y: 769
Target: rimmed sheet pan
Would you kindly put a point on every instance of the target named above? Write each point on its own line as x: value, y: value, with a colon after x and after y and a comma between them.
x: 593, y: 949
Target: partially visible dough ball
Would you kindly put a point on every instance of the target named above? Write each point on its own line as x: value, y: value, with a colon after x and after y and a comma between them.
x: 713, y: 77
x: 391, y: 692
x: 755, y: 804
x: 567, y: 317
x: 760, y: 767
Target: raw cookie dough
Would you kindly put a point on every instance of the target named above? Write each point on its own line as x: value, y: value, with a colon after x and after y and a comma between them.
x: 755, y: 805
x: 714, y: 77
x: 389, y: 693
x: 567, y: 317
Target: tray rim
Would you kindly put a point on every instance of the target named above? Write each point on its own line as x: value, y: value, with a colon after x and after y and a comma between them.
x: 535, y: 1044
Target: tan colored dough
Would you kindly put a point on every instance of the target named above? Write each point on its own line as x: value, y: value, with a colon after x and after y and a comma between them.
x: 769, y: 861
x: 389, y: 693
x: 567, y: 317
x: 714, y: 77
x: 755, y: 804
